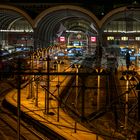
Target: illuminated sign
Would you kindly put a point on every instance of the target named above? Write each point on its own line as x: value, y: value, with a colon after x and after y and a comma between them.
x: 93, y: 39
x: 62, y: 38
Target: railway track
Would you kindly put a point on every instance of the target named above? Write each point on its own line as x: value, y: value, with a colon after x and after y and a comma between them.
x: 8, y: 122
x: 113, y: 107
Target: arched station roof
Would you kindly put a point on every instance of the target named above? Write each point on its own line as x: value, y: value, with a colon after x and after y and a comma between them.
x: 51, y: 21
x: 122, y: 13
x: 61, y: 18
x: 9, y: 14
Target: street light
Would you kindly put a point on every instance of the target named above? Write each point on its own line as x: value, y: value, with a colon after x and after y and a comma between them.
x: 31, y: 79
x: 127, y: 78
x: 98, y: 71
x: 48, y: 86
x: 77, y: 66
x: 58, y: 62
x: 138, y: 90
x: 18, y: 99
x: 77, y: 84
x: 36, y: 97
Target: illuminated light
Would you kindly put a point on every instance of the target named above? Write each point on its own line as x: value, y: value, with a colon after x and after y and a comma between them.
x: 99, y: 70
x: 71, y: 31
x: 79, y: 36
x: 16, y: 30
x: 93, y: 39
x: 55, y: 57
x: 124, y: 38
x: 62, y: 38
x: 110, y: 38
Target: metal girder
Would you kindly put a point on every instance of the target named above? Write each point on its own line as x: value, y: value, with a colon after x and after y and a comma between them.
x: 55, y: 73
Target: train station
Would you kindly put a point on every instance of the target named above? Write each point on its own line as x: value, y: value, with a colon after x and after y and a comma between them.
x: 70, y: 70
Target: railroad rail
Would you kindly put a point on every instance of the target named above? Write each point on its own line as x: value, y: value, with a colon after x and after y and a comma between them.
x: 9, y: 121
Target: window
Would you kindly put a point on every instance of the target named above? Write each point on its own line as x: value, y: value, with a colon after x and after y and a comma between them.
x: 124, y: 38
x: 110, y: 38
x: 137, y: 38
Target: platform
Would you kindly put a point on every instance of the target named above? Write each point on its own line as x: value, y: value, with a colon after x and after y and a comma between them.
x: 66, y: 126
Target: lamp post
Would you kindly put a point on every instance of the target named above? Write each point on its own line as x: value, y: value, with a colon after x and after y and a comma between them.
x: 77, y: 66
x: 31, y: 91
x: 18, y: 99
x: 48, y: 86
x: 126, y: 101
x: 58, y: 62
x: 127, y: 78
x: 36, y: 98
x: 98, y: 70
x: 138, y: 91
x: 58, y: 86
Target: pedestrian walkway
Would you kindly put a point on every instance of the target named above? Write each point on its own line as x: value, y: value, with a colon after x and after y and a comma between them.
x: 66, y: 126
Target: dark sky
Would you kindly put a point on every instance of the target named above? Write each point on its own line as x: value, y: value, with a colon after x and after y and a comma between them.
x: 73, y: 1
x: 96, y: 6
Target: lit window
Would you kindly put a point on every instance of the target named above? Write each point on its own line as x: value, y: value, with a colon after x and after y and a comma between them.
x: 124, y: 38
x: 137, y: 38
x: 110, y: 38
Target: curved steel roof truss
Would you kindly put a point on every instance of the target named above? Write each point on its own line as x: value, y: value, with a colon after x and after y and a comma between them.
x: 48, y: 26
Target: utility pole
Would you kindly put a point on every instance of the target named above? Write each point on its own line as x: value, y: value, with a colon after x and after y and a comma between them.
x: 47, y: 96
x: 18, y: 98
